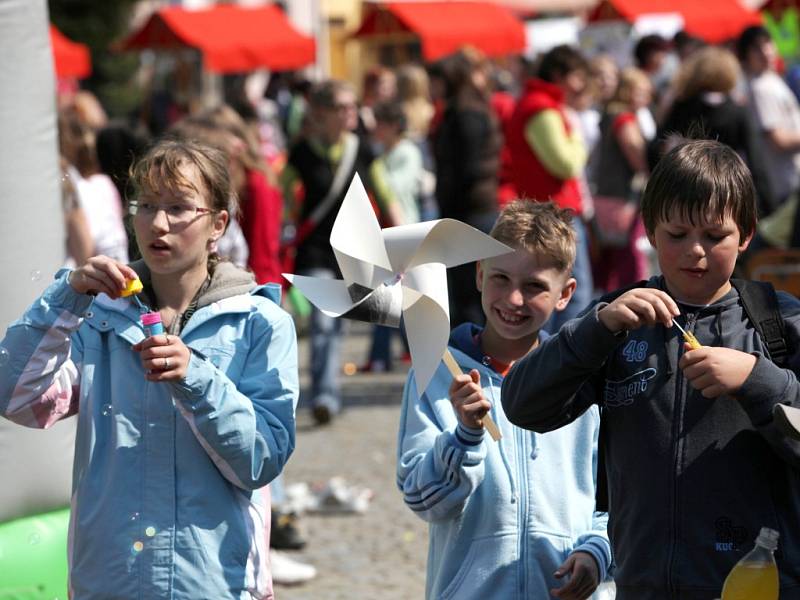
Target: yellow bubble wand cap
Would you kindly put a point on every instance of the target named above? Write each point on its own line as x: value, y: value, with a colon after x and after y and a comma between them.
x: 134, y: 286
x: 688, y: 337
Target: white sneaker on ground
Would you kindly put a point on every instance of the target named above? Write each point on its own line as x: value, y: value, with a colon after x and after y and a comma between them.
x: 334, y: 497
x: 287, y: 571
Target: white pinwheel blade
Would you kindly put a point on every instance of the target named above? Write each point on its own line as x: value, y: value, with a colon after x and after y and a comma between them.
x: 446, y: 241
x: 356, y: 234
x: 337, y: 298
x: 426, y: 316
x: 362, y: 272
x: 331, y: 296
x: 427, y: 280
x: 382, y: 306
x: 427, y: 329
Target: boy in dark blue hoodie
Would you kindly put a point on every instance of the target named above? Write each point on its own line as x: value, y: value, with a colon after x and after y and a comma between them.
x: 695, y: 462
x: 514, y: 519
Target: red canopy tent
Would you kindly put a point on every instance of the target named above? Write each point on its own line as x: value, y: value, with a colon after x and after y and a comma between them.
x: 231, y: 38
x: 444, y: 27
x: 71, y: 58
x: 714, y: 21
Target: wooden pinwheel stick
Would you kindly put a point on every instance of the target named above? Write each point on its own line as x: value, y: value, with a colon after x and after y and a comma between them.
x: 455, y: 371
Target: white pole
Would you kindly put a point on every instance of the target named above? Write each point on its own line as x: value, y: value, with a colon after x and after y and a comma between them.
x: 35, y: 469
x: 308, y: 17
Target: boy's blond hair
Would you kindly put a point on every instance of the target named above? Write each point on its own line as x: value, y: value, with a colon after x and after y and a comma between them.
x: 541, y: 228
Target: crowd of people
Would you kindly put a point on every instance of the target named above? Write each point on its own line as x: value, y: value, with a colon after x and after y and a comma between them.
x: 645, y: 185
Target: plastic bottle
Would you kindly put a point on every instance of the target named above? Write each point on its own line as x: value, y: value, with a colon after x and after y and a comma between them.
x: 755, y: 576
x: 152, y: 323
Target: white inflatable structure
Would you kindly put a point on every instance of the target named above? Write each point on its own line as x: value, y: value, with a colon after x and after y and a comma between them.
x: 36, y: 466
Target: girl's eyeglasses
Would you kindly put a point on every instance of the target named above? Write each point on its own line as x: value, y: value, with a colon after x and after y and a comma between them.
x: 178, y: 213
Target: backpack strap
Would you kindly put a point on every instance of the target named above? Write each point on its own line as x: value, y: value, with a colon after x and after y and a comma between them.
x: 760, y: 302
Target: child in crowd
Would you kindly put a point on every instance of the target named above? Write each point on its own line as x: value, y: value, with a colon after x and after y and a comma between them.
x: 395, y: 178
x: 508, y: 519
x: 314, y: 181
x: 177, y: 432
x: 695, y: 462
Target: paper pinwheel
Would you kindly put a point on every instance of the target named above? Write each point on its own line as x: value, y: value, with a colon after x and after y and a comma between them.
x: 394, y: 272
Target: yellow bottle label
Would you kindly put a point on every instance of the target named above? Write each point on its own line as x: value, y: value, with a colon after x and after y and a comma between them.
x: 751, y: 581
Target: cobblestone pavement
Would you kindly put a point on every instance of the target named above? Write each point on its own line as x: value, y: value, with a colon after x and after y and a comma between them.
x: 379, y: 555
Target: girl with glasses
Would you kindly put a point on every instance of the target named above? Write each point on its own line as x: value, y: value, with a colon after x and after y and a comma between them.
x: 178, y: 433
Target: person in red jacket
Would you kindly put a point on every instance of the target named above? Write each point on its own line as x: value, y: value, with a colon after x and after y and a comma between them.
x: 548, y: 154
x: 260, y: 196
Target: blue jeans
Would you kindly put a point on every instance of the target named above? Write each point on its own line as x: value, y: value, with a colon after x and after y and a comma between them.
x: 277, y: 490
x: 381, y: 349
x: 582, y: 272
x: 326, y: 341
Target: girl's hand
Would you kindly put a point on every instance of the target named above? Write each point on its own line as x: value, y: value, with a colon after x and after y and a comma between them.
x: 164, y: 357
x: 466, y: 396
x: 583, y: 577
x: 715, y: 371
x: 101, y: 274
x: 638, y: 307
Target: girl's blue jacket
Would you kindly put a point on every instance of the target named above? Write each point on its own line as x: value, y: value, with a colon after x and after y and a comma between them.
x: 166, y: 499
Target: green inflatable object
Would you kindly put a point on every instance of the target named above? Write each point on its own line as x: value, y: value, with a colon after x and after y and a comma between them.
x: 33, y: 557
x: 299, y: 304
x: 785, y: 32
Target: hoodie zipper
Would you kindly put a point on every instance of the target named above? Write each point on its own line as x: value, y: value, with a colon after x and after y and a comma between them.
x: 521, y: 457
x: 681, y: 395
x: 517, y: 497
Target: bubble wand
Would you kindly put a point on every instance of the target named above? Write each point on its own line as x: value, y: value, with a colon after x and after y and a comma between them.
x: 688, y: 337
x: 132, y: 289
x: 151, y: 320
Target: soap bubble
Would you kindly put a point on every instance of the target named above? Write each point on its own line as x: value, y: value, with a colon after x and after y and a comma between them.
x: 34, y: 539
x: 137, y: 547
x: 107, y: 410
x: 134, y: 516
x: 150, y: 531
x: 36, y: 275
x: 4, y: 356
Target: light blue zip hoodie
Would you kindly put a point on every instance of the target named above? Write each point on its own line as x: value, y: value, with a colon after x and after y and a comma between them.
x: 503, y: 516
x: 167, y: 499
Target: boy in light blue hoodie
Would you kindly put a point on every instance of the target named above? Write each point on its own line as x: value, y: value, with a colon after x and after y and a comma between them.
x: 516, y: 518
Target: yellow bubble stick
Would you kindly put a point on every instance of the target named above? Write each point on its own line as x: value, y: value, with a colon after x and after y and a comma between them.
x: 134, y: 286
x: 689, y: 337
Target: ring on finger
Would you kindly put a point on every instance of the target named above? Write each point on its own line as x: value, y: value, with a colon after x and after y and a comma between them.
x: 166, y: 363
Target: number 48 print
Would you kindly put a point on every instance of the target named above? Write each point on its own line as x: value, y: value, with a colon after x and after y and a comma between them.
x: 635, y: 351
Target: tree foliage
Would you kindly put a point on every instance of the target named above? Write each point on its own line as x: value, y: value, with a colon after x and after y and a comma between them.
x: 98, y: 24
